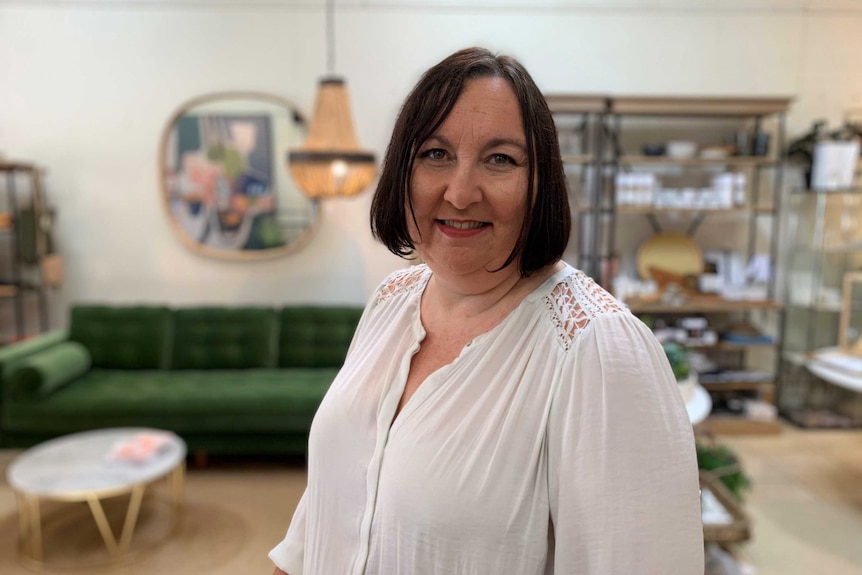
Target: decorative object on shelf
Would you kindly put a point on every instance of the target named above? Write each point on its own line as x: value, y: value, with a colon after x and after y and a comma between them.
x: 834, y: 164
x: 331, y: 163
x: 680, y: 149
x: 722, y: 463
x: 686, y: 378
x: 223, y: 187
x: 669, y: 254
x: 829, y: 159
x: 677, y: 355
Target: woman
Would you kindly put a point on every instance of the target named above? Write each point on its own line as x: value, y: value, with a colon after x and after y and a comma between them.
x: 497, y: 412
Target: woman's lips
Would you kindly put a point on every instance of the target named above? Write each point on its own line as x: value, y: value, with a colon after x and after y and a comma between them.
x: 462, y: 228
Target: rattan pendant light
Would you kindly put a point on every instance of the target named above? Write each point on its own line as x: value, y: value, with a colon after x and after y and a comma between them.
x: 331, y: 163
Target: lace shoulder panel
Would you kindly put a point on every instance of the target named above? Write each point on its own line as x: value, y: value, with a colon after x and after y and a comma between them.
x: 574, y: 302
x: 401, y: 281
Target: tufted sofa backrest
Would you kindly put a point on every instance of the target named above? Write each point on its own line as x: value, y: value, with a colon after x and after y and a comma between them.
x: 123, y: 337
x: 316, y: 336
x: 224, y: 338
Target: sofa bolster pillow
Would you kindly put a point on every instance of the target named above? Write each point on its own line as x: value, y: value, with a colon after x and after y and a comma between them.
x: 46, y: 371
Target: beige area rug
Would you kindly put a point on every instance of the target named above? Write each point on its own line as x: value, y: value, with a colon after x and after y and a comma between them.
x: 805, y: 536
x: 232, y: 516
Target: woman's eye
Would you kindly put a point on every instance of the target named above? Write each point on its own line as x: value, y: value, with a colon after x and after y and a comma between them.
x: 501, y: 159
x: 435, y: 154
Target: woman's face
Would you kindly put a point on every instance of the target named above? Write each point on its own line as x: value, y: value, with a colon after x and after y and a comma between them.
x: 469, y: 182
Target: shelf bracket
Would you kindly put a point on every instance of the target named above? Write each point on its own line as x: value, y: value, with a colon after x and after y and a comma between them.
x: 695, y: 224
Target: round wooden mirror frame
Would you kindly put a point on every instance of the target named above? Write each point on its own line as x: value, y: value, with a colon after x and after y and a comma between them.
x: 214, y: 185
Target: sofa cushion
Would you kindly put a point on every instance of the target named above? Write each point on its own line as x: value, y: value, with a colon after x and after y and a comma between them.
x: 197, y: 402
x: 316, y: 336
x: 45, y: 371
x: 224, y: 338
x: 19, y: 350
x: 123, y: 337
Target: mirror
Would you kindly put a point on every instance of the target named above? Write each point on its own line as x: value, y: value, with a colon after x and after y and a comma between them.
x: 226, y: 190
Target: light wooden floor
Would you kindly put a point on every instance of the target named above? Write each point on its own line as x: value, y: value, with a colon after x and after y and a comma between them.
x: 806, y: 501
x: 806, y: 507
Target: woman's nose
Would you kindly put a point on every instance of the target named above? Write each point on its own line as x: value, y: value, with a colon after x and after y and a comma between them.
x: 463, y: 188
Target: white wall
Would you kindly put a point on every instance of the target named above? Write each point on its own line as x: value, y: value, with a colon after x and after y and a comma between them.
x: 86, y: 88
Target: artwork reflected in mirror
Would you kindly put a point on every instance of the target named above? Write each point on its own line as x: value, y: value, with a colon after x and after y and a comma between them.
x: 225, y: 187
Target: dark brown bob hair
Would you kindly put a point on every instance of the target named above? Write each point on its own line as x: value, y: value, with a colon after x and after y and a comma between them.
x: 547, y: 220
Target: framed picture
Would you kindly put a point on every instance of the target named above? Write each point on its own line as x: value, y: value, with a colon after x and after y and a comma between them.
x: 225, y: 187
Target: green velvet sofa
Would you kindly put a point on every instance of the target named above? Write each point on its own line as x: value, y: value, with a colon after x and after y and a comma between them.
x: 228, y: 380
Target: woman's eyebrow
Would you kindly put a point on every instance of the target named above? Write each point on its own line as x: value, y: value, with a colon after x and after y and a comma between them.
x: 442, y: 140
x: 507, y: 142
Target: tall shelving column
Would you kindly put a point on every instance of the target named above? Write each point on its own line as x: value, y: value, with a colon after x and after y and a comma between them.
x: 583, y: 169
x: 613, y: 254
x: 20, y: 278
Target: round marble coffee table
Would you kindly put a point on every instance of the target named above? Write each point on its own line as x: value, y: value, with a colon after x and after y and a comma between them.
x: 80, y: 467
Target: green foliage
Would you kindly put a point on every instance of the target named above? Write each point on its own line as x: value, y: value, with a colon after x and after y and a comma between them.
x: 677, y: 355
x: 721, y: 461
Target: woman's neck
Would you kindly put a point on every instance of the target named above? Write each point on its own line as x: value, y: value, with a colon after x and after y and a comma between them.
x: 499, y: 291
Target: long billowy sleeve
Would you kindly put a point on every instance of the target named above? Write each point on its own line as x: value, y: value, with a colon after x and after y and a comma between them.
x: 623, y: 479
x: 289, y: 555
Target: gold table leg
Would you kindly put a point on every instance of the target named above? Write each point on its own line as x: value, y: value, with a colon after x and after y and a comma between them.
x: 177, y: 485
x: 129, y: 523
x: 104, y: 526
x: 30, y: 526
x: 23, y: 519
x: 131, y: 517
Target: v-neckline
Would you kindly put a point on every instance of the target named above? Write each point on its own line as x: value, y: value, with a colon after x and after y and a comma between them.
x: 420, y: 334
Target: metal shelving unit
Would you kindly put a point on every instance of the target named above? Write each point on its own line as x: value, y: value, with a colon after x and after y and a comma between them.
x: 582, y: 116
x: 26, y: 242
x: 761, y: 209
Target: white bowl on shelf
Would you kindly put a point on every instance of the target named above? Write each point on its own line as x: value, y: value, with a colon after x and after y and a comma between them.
x: 681, y: 149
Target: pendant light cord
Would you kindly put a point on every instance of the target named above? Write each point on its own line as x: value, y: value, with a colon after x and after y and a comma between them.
x: 330, y: 37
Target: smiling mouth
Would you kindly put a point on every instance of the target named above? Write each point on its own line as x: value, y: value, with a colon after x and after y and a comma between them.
x: 471, y: 225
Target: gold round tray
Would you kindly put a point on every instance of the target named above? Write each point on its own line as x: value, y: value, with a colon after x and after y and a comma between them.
x: 669, y: 252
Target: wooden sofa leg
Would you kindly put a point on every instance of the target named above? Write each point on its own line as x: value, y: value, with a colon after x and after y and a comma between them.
x: 201, y: 458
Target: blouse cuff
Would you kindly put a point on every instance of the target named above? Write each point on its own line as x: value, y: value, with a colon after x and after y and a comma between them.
x: 287, y: 556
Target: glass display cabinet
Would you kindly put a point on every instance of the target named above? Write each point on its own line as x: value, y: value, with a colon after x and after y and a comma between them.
x: 823, y: 247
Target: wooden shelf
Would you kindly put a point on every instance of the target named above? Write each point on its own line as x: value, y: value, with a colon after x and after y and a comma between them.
x: 579, y: 159
x: 577, y: 104
x: 728, y: 346
x: 701, y: 304
x: 7, y: 291
x: 820, y: 307
x: 731, y: 161
x: 17, y: 166
x: 698, y: 106
x: 730, y: 425
x: 649, y: 210
x: 740, y: 386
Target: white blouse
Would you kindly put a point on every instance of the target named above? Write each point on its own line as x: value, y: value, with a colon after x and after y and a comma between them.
x: 555, y: 443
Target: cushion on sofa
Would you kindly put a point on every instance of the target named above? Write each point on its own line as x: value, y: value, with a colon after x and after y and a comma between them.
x: 46, y: 371
x: 316, y: 336
x: 123, y: 337
x: 19, y: 350
x: 224, y: 338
